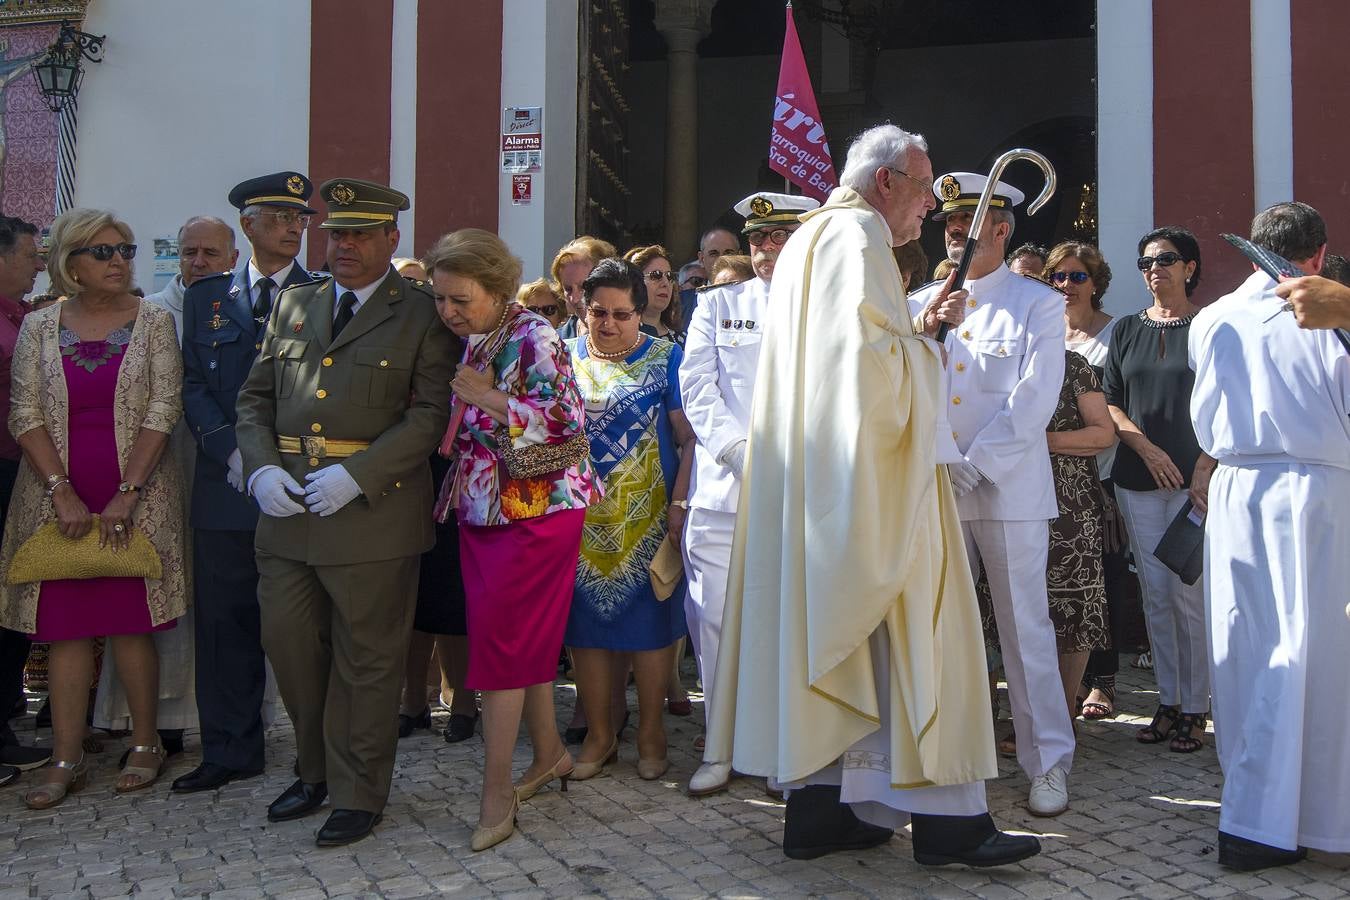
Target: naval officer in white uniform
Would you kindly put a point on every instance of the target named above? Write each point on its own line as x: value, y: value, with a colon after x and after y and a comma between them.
x: 717, y: 381
x: 1005, y: 368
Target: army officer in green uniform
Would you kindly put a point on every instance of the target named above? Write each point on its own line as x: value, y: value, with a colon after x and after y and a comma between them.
x: 348, y: 398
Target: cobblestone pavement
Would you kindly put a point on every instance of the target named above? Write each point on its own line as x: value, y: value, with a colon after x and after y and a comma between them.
x: 1142, y: 823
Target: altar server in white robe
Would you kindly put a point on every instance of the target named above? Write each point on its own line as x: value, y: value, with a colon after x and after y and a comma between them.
x: 1005, y: 369
x: 717, y: 381
x: 1270, y: 403
x: 851, y: 667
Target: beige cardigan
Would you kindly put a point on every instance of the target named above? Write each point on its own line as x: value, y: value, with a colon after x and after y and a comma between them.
x: 148, y: 395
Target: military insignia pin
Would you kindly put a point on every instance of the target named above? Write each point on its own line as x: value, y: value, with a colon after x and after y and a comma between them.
x: 761, y: 207
x: 215, y: 322
x: 738, y: 324
x: 215, y: 306
x: 726, y: 323
x: 234, y: 290
x: 750, y: 324
x: 341, y: 194
x: 298, y: 327
x: 949, y: 188
x: 296, y: 185
x: 211, y: 364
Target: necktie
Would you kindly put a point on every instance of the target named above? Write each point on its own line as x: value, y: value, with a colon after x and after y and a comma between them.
x: 262, y: 304
x: 346, y: 310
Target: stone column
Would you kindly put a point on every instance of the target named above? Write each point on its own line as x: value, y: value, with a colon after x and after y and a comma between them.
x: 683, y: 23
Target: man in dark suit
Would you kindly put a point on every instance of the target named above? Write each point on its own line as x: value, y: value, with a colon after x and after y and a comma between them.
x: 224, y: 317
x: 349, y: 396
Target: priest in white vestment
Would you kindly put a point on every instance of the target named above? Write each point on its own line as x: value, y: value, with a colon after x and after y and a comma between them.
x: 1270, y: 404
x: 851, y: 667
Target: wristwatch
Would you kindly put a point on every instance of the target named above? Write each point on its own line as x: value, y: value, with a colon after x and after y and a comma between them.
x: 682, y: 504
x: 127, y: 487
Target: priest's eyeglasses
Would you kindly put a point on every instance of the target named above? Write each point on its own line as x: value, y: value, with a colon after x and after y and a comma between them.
x: 926, y: 185
x: 104, y: 252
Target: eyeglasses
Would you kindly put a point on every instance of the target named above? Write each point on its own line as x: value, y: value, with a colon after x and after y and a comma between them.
x: 696, y: 281
x: 548, y: 309
x: 600, y: 314
x: 1062, y: 277
x: 777, y: 236
x: 288, y: 218
x: 656, y: 275
x: 1165, y: 259
x: 104, y: 252
x: 926, y: 185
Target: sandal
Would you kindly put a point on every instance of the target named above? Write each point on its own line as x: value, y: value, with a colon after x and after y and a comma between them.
x: 1007, y: 745
x: 1164, y: 723
x: 1185, y: 741
x: 1094, y: 710
x: 147, y: 775
x: 50, y: 793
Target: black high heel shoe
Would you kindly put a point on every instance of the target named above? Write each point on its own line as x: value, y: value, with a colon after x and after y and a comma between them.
x: 407, y: 724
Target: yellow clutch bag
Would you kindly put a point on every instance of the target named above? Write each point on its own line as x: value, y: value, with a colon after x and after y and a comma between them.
x: 51, y: 556
x: 666, y: 570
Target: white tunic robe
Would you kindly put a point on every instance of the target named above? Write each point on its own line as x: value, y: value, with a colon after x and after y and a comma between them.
x: 1270, y: 404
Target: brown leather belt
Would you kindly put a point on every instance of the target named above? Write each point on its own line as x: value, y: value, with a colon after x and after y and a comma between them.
x: 319, y: 447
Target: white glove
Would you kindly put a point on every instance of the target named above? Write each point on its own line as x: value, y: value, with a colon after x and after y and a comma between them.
x: 270, y: 485
x: 329, y: 490
x: 964, y: 477
x: 234, y: 470
x: 734, y: 458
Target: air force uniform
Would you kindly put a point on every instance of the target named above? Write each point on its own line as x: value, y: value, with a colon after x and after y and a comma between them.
x: 1005, y: 369
x: 223, y: 324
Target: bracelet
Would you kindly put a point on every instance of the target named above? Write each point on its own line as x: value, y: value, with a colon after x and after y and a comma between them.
x: 54, y: 482
x: 56, y: 478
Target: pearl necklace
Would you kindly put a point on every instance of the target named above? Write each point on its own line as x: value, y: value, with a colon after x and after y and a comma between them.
x: 591, y: 350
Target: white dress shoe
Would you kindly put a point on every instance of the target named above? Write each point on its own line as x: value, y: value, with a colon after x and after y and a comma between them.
x: 1049, y: 793
x: 709, y: 779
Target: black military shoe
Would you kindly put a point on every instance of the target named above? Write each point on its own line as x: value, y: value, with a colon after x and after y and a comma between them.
x: 297, y: 801
x: 817, y: 823
x: 968, y: 841
x: 346, y: 826
x: 208, y: 777
x: 1243, y: 855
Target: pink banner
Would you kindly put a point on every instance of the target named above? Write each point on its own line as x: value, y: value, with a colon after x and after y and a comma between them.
x: 797, y: 147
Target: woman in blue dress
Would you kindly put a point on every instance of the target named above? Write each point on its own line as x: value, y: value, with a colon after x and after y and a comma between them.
x: 642, y: 447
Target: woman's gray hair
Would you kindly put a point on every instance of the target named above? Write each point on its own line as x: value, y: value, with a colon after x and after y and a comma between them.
x: 878, y: 146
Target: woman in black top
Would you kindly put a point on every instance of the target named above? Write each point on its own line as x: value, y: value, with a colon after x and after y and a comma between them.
x: 1158, y: 467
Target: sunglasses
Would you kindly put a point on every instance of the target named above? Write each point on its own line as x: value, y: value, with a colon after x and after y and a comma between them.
x: 620, y: 315
x: 656, y: 275
x: 1062, y: 277
x: 696, y: 281
x: 548, y: 309
x: 1168, y: 258
x: 104, y: 252
x: 777, y: 236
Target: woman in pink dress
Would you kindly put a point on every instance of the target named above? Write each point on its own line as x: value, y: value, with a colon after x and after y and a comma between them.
x: 97, y: 390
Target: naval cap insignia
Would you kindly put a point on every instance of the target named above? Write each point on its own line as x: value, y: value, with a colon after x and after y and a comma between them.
x: 341, y: 194
x: 296, y: 185
x: 761, y: 207
x: 949, y: 188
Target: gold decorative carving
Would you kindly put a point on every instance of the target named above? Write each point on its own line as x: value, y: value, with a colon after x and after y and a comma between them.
x: 29, y: 12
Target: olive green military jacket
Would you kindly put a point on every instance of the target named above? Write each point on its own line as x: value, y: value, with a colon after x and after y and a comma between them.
x: 385, y: 380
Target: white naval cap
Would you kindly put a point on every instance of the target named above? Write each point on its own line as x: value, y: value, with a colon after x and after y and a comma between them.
x: 763, y: 209
x: 961, y: 191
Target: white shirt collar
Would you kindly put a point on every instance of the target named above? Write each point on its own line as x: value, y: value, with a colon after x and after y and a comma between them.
x: 278, y: 277
x: 362, y: 295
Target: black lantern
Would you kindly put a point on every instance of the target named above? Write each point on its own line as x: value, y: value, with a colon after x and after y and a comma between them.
x: 60, y: 72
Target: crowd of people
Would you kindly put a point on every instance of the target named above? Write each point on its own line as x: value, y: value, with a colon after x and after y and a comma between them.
x: 861, y: 498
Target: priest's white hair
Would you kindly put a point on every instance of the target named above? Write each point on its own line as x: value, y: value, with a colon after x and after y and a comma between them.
x: 878, y: 146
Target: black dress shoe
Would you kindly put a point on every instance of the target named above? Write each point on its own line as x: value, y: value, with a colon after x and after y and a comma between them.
x: 460, y: 728
x: 24, y: 758
x: 1243, y: 855
x: 999, y: 849
x: 344, y: 826
x: 209, y: 776
x: 297, y: 801
x: 408, y: 724
x: 8, y: 774
x: 817, y: 823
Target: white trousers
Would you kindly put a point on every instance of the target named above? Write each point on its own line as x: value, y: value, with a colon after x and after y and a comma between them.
x: 1014, y: 556
x: 707, y: 553
x: 1277, y: 572
x: 863, y: 772
x: 1173, y: 611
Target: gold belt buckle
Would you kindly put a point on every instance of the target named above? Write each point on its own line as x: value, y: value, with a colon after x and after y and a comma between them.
x: 315, y: 447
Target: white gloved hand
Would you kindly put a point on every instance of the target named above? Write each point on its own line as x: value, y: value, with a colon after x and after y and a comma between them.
x: 734, y: 458
x: 330, y: 489
x: 271, y: 485
x: 234, y: 470
x: 964, y: 477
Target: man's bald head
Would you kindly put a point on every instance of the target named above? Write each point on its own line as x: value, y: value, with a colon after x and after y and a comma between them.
x: 205, y: 247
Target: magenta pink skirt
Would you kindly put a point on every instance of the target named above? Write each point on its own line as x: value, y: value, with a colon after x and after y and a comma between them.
x: 518, y: 582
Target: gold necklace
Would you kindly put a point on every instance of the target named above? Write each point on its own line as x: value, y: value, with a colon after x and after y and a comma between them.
x: 590, y: 347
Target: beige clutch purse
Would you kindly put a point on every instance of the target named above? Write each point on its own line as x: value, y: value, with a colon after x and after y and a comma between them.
x: 666, y: 570
x: 51, y: 556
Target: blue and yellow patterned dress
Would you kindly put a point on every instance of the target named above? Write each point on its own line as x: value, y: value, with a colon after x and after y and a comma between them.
x: 628, y: 404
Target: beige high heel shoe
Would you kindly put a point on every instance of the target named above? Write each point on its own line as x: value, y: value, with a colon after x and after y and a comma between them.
x: 53, y: 792
x: 491, y: 836
x: 584, y: 770
x: 527, y: 789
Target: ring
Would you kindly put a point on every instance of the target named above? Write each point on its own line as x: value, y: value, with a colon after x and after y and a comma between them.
x: 119, y: 528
